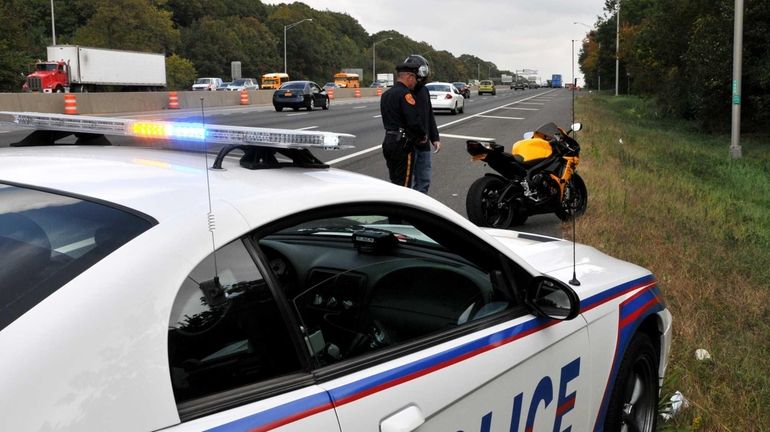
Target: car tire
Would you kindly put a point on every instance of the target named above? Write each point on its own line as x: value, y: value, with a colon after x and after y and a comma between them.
x: 311, y: 104
x: 278, y: 108
x: 494, y: 93
x: 326, y: 104
x: 481, y: 203
x: 453, y: 111
x: 462, y: 109
x: 634, y: 400
x: 295, y: 108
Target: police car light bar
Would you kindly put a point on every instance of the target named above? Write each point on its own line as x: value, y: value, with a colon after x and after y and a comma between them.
x: 210, y: 133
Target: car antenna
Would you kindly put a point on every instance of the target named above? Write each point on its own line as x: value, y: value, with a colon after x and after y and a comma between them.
x: 574, y: 281
x: 211, y: 288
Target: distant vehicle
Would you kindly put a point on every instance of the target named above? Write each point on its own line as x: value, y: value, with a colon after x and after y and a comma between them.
x: 519, y: 84
x: 300, y: 94
x: 506, y: 79
x: 381, y: 84
x: 556, y: 81
x: 445, y: 96
x: 330, y: 85
x: 243, y: 84
x: 347, y: 80
x: 207, y: 84
x: 223, y: 86
x: 487, y: 86
x: 72, y: 68
x: 274, y: 80
x: 387, y: 78
x: 463, y: 88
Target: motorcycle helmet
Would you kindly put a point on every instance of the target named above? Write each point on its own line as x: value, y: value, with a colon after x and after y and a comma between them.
x: 423, y: 70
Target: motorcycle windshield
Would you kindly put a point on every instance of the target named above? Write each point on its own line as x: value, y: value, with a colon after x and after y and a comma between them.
x: 549, y: 130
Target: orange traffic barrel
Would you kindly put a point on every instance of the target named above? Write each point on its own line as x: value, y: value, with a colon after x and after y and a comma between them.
x: 173, y: 100
x: 244, y: 97
x: 330, y: 92
x: 70, y: 104
x: 358, y: 92
x: 379, y: 91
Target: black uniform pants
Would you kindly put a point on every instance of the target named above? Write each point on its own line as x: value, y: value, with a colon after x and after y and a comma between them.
x: 400, y: 160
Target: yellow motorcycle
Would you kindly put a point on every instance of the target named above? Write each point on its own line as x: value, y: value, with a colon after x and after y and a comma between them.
x: 537, y: 177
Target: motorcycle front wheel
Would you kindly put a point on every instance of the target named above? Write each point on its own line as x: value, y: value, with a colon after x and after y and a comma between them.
x: 575, y: 199
x: 483, y: 203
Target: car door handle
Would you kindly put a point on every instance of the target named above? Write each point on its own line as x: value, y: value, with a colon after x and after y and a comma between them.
x: 405, y: 420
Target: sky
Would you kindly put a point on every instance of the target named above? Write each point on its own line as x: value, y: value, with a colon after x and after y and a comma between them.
x: 513, y: 34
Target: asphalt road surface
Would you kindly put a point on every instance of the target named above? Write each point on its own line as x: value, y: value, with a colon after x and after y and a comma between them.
x: 503, y: 118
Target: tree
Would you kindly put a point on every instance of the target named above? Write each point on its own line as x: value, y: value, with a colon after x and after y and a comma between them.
x: 180, y: 73
x: 138, y: 25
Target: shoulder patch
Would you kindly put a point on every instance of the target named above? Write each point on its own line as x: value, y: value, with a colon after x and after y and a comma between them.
x: 409, y: 99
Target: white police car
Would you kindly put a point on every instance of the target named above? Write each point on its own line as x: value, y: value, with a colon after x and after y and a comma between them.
x: 145, y: 289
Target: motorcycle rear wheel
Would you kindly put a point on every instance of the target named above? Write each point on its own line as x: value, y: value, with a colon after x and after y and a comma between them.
x: 482, y: 206
x: 575, y: 199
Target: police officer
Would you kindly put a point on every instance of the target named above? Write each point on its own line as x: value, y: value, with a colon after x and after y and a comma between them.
x: 403, y: 127
x: 423, y: 154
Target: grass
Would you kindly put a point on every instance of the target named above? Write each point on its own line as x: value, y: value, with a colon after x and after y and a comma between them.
x: 668, y: 197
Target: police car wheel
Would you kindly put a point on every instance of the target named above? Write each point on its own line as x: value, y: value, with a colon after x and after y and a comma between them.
x: 634, y: 401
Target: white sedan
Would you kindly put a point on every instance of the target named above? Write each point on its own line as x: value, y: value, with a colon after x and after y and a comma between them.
x: 167, y: 289
x: 445, y: 96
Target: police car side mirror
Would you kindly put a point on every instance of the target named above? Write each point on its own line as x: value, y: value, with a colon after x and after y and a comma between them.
x: 552, y: 299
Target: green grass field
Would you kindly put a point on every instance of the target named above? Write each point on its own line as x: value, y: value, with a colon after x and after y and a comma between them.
x: 666, y: 196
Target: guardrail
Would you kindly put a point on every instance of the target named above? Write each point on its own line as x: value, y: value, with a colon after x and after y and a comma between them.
x: 108, y: 103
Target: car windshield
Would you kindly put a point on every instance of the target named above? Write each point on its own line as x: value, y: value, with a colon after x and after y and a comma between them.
x: 438, y: 88
x: 459, y: 85
x: 486, y: 83
x: 346, y: 226
x: 239, y: 82
x: 203, y: 81
x: 47, y: 239
x: 293, y: 86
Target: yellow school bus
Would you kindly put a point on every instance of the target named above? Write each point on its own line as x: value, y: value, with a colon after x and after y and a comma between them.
x: 273, y: 80
x: 347, y: 80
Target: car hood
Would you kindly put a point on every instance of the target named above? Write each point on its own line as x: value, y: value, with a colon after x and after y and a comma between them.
x: 596, y: 271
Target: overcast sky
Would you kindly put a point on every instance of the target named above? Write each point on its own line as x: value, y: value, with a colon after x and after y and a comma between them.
x: 514, y: 34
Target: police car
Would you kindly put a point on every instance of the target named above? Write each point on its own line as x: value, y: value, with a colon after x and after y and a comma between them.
x: 231, y: 281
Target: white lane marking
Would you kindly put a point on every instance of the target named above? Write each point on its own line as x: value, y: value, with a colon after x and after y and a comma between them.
x: 465, y: 137
x: 295, y: 114
x: 309, y: 127
x: 360, y: 107
x: 521, y: 108
x: 502, y: 117
x: 533, y: 103
x: 377, y: 116
x: 377, y: 147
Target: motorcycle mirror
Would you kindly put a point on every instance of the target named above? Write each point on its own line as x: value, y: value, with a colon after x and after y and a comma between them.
x: 528, y: 135
x: 576, y: 126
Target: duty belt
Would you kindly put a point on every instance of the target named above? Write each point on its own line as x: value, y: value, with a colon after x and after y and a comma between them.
x: 399, y: 132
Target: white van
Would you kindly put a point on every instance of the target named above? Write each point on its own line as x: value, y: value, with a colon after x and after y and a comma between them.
x: 209, y: 84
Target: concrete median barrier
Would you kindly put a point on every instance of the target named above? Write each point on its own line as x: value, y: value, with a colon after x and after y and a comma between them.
x: 111, y: 103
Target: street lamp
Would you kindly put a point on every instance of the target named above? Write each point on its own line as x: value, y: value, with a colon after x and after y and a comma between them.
x: 53, y: 26
x: 286, y: 27
x: 374, y: 58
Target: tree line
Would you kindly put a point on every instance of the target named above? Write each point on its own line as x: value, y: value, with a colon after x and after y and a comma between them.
x: 679, y: 53
x: 202, y: 38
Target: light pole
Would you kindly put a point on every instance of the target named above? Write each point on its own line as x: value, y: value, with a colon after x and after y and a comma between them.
x: 374, y: 58
x: 617, y: 50
x: 53, y: 26
x: 286, y: 27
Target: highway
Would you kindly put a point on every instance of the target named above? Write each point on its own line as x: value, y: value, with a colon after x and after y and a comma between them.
x: 504, y: 118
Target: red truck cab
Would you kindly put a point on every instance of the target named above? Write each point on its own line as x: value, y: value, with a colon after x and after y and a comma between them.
x: 48, y: 77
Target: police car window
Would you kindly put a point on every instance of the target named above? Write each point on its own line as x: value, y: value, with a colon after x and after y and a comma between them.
x: 361, y: 283
x: 47, y: 239
x: 226, y: 333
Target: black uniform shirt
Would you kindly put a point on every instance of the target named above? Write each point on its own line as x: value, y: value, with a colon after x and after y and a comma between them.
x: 399, y: 111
